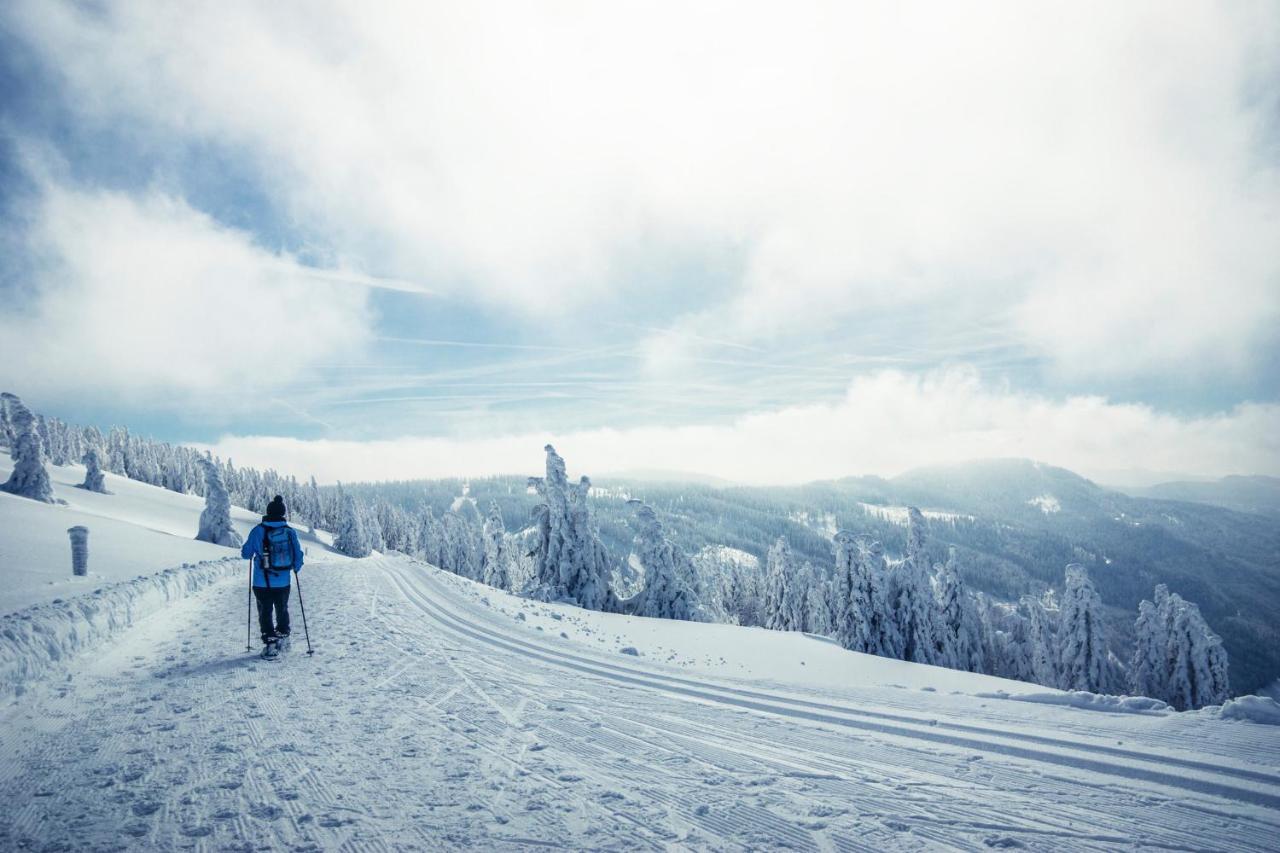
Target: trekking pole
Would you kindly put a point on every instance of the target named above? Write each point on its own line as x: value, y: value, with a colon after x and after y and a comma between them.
x: 248, y: 624
x: 303, y: 608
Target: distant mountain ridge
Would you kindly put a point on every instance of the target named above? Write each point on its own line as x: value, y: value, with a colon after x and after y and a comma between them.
x: 1244, y: 493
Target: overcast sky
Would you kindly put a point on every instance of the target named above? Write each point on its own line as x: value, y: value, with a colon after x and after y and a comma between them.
x: 769, y: 242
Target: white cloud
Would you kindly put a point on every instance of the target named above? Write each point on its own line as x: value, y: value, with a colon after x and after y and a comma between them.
x: 1091, y: 174
x: 888, y: 422
x: 145, y: 297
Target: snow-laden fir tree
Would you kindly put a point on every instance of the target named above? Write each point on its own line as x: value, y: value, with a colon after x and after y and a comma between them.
x: 1198, y: 666
x: 854, y: 595
x: 350, y: 538
x: 315, y: 511
x: 94, y: 479
x: 8, y: 435
x: 959, y: 643
x: 1042, y: 641
x: 495, y: 558
x: 819, y: 602
x: 731, y: 583
x: 29, y: 478
x: 1177, y: 658
x: 666, y: 593
x: 372, y: 527
x: 1007, y: 636
x: 912, y: 595
x: 215, y: 520
x: 462, y: 546
x: 783, y: 609
x: 1082, y: 641
x: 1149, y: 666
x: 430, y: 545
x: 571, y: 561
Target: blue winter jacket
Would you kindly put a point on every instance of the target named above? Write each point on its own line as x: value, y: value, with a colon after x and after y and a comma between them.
x: 252, y: 549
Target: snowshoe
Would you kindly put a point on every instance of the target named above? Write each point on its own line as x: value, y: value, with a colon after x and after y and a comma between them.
x: 271, y: 651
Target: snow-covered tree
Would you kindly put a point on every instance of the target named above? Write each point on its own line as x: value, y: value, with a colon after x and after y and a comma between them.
x: 94, y: 479
x: 1082, y: 642
x: 1042, y: 642
x: 495, y: 558
x: 571, y: 561
x: 462, y: 546
x: 314, y: 506
x: 853, y: 593
x: 666, y: 593
x: 430, y: 544
x: 351, y: 538
x: 1149, y: 666
x: 1007, y: 640
x: 1177, y: 659
x: 215, y: 520
x: 912, y: 595
x: 1198, y: 671
x: 819, y: 604
x: 8, y: 435
x: 959, y: 641
x: 783, y: 600
x: 29, y: 478
x: 731, y: 584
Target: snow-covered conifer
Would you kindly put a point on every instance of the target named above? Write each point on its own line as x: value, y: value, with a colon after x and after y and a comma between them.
x: 495, y: 558
x: 215, y: 520
x: 819, y: 602
x: 853, y: 592
x: 314, y: 506
x: 1149, y: 666
x: 29, y: 478
x: 779, y: 596
x: 572, y: 564
x: 912, y: 600
x: 461, y: 545
x: 430, y: 546
x: 1041, y: 641
x: 94, y: 479
x: 959, y: 642
x: 1178, y: 658
x: 372, y: 527
x: 1082, y: 643
x: 8, y: 435
x: 351, y: 538
x: 666, y: 593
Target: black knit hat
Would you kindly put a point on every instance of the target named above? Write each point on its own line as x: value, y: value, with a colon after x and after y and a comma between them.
x: 275, y: 510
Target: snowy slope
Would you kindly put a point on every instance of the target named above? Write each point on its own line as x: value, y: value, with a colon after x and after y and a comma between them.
x: 136, y: 529
x: 434, y: 715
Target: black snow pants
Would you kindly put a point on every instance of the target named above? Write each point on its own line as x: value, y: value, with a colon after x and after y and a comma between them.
x: 276, y: 597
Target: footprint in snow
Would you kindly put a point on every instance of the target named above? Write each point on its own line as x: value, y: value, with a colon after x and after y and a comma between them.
x: 149, y: 807
x: 266, y: 812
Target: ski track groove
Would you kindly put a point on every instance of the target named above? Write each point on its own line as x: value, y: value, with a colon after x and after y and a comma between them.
x: 1065, y: 826
x: 675, y: 685
x: 434, y: 741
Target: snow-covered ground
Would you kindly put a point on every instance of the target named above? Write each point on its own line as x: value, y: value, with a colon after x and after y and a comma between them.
x: 898, y: 514
x: 135, y: 530
x: 437, y: 713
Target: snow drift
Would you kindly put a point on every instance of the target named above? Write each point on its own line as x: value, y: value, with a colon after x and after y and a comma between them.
x: 34, y: 640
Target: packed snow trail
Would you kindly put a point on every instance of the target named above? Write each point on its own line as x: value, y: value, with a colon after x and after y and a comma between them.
x: 426, y: 721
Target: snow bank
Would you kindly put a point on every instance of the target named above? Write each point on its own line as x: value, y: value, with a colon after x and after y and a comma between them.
x: 1089, y: 701
x: 1254, y: 709
x: 35, y: 640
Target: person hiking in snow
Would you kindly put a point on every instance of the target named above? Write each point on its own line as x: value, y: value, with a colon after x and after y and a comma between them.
x: 273, y: 546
